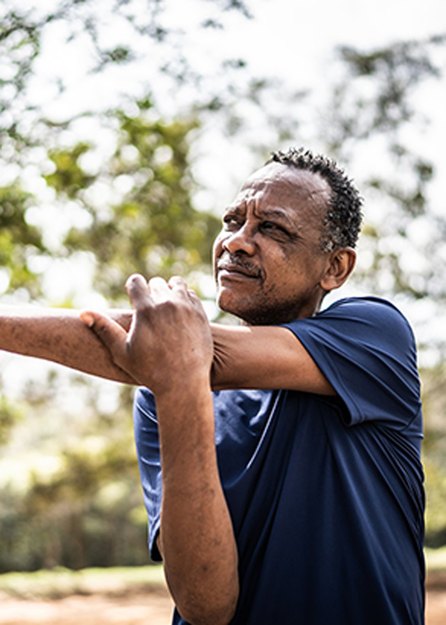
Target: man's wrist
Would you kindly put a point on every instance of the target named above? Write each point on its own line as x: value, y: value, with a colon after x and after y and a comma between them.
x: 185, y: 421
x: 192, y: 385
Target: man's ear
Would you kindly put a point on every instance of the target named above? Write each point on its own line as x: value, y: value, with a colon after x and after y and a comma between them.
x: 341, y: 263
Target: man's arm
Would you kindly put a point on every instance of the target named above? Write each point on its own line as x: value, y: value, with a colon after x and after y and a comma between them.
x: 267, y: 357
x: 169, y: 348
x: 196, y: 537
x: 60, y: 336
x: 244, y: 357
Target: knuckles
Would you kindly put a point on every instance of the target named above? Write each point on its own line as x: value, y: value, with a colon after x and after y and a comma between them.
x: 171, y: 308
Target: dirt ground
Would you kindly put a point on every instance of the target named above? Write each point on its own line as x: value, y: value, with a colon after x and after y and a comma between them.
x: 150, y: 608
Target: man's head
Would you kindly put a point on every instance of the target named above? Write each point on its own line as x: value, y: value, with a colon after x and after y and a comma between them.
x: 287, y: 239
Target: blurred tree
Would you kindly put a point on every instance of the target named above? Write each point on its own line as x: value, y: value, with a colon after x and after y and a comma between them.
x: 434, y: 405
x: 88, y: 513
x: 20, y: 242
x: 135, y: 197
x: 10, y: 414
x: 78, y: 501
x: 150, y: 224
x: 373, y: 118
x: 107, y: 41
x: 100, y: 41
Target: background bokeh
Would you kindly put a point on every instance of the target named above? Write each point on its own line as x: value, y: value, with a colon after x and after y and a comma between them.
x: 125, y: 128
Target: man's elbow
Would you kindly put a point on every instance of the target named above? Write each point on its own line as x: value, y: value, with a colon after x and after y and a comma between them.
x: 212, y: 612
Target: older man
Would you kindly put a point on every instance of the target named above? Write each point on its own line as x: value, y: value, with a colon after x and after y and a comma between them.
x: 300, y: 501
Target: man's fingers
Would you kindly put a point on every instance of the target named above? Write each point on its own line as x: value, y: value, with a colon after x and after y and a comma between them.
x: 176, y: 282
x: 137, y: 288
x: 111, y: 334
x: 179, y: 285
x: 144, y: 295
x: 159, y: 290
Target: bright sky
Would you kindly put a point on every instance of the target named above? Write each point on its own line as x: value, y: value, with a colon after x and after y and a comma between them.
x: 295, y: 37
x: 292, y: 39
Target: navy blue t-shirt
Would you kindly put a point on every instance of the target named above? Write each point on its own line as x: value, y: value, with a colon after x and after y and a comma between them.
x: 325, y: 493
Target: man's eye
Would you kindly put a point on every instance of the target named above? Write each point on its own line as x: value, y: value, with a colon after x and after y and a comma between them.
x: 230, y: 221
x: 271, y: 226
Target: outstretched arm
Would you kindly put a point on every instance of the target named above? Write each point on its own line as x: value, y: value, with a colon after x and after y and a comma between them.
x: 266, y: 357
x: 60, y: 336
x: 244, y: 357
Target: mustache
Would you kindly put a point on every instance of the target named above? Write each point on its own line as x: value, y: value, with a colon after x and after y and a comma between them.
x: 238, y: 263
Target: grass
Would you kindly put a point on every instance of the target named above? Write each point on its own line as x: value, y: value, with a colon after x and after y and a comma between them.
x: 62, y: 582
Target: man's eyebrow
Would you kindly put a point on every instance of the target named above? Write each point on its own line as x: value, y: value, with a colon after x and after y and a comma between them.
x: 279, y: 213
x: 232, y: 208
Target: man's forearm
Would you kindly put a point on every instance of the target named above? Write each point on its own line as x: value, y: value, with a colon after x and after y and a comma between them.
x: 197, y: 540
x: 60, y: 336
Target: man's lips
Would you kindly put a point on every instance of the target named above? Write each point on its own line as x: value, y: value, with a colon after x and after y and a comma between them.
x: 235, y: 270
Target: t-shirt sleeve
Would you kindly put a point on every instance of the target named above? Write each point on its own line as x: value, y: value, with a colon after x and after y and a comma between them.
x: 366, y: 350
x: 147, y: 448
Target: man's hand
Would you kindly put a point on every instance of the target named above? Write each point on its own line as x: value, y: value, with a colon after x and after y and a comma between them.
x: 169, y: 342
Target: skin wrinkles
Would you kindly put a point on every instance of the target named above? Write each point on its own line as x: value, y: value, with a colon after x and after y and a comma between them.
x: 311, y: 191
x: 277, y: 215
x: 272, y: 233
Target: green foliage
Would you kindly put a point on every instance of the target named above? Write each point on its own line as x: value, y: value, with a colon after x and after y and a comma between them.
x: 62, y: 582
x: 151, y: 226
x: 20, y: 44
x: 374, y: 94
x: 19, y: 241
x: 88, y: 512
x: 434, y: 405
x: 68, y: 176
x: 372, y: 111
x: 10, y: 414
x: 397, y: 69
x: 436, y: 498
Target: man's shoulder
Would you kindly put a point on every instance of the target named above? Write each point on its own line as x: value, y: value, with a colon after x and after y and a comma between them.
x: 370, y: 319
x: 363, y: 304
x: 370, y: 310
x: 366, y: 322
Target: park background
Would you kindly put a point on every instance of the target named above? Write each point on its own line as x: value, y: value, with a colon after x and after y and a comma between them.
x: 126, y: 126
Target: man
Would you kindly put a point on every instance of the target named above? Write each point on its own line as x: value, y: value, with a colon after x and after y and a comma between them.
x: 301, y: 502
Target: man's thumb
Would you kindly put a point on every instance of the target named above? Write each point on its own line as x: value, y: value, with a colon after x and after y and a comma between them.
x: 110, y: 333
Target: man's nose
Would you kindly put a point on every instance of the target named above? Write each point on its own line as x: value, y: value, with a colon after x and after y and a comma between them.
x: 241, y: 240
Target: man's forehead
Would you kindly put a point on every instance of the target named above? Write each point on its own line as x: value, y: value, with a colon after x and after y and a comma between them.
x: 282, y: 184
x: 287, y: 175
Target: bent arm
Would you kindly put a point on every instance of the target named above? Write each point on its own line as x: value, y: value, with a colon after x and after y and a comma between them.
x: 196, y: 536
x: 169, y: 348
x: 60, y: 336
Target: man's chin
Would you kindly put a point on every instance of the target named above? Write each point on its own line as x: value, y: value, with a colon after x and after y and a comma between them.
x: 230, y: 304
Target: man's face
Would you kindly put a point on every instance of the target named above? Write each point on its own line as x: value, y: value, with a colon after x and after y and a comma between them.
x: 268, y: 261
